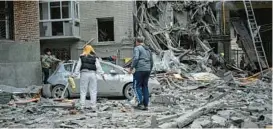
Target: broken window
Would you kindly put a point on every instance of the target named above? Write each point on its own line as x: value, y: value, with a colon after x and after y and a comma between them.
x: 43, y: 11
x: 57, y: 28
x: 45, y: 29
x: 105, y: 29
x: 56, y: 18
x: 76, y: 9
x: 55, y: 10
x: 6, y: 20
x: 65, y: 9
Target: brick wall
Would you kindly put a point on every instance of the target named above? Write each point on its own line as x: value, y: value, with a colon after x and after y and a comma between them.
x: 26, y: 21
x: 20, y: 64
x: 120, y: 10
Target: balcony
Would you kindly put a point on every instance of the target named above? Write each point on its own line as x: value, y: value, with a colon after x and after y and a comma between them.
x: 59, y: 20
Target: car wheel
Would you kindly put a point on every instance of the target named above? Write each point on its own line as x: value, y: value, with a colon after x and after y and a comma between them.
x: 58, y: 90
x: 128, y: 91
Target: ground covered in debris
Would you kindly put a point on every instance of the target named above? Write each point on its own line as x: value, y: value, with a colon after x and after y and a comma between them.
x: 193, y: 104
x: 199, y: 88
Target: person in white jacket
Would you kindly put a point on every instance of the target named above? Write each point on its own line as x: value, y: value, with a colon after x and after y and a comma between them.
x: 87, y: 67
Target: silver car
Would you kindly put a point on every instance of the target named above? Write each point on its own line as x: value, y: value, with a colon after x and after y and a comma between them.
x: 118, y: 82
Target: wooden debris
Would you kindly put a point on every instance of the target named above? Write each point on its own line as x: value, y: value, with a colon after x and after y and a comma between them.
x: 20, y: 102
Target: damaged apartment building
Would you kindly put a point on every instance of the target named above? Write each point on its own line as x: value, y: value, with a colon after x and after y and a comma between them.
x: 28, y: 27
x: 227, y: 28
x: 65, y: 26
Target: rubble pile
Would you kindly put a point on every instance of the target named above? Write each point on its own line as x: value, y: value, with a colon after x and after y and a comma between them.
x: 49, y: 113
x: 189, y: 66
x: 199, y: 89
x: 181, y: 45
x: 216, y: 103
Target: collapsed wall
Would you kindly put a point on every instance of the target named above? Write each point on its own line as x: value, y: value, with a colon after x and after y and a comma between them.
x: 185, y: 41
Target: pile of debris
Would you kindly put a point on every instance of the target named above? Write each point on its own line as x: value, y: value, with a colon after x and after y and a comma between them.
x: 199, y: 89
x: 193, y: 76
x: 182, y: 44
x: 214, y: 103
x: 180, y: 34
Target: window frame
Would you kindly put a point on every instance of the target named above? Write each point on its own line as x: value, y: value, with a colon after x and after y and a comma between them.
x: 71, y: 17
x: 101, y: 18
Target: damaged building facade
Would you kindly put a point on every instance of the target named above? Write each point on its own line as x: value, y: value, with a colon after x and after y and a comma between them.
x: 202, y: 81
x: 65, y: 26
x: 112, y: 27
x: 228, y: 29
x: 19, y: 43
x: 73, y: 23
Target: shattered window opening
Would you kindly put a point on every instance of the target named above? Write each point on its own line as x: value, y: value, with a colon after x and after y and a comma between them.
x: 6, y: 20
x: 44, y: 8
x: 55, y: 11
x: 66, y: 9
x: 105, y: 29
x: 57, y: 28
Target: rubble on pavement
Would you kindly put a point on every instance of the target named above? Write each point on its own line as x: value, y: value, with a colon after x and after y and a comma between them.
x: 199, y: 89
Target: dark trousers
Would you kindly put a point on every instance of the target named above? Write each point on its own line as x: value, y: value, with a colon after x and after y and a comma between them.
x: 141, y: 79
x: 46, y: 74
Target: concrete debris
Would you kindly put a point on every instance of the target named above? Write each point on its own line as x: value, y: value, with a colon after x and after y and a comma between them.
x: 14, y: 90
x: 5, y: 97
x: 203, y: 122
x: 249, y: 124
x: 219, y: 121
x: 164, y: 99
x: 199, y: 89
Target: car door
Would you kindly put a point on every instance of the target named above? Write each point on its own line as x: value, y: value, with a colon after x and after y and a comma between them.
x: 113, y: 85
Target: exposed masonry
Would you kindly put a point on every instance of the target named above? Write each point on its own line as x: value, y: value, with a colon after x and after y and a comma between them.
x: 26, y: 21
x: 121, y: 11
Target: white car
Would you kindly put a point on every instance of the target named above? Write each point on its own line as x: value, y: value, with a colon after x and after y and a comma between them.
x: 118, y: 82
